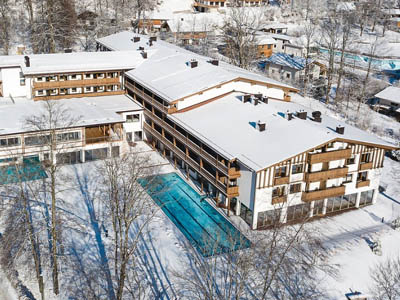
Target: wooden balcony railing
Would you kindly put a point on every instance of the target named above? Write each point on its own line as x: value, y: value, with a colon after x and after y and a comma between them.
x: 80, y: 95
x: 75, y: 83
x: 328, y: 174
x: 233, y: 191
x: 329, y: 156
x: 366, y: 166
x: 280, y: 199
x: 146, y: 97
x: 281, y: 180
x: 195, y: 165
x: 363, y: 183
x: 196, y: 148
x: 234, y: 173
x: 322, y: 194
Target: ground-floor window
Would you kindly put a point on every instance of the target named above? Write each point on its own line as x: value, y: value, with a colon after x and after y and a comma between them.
x: 341, y: 203
x: 69, y: 158
x: 298, y: 212
x: 246, y: 214
x: 138, y: 135
x: 96, y: 154
x: 269, y: 217
x: 115, y: 151
x: 366, y: 197
x: 318, y: 207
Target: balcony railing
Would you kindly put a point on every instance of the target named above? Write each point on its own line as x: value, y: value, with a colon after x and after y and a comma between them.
x: 329, y: 156
x: 234, y: 173
x: 78, y: 95
x: 75, y: 83
x: 322, y: 194
x: 328, y: 174
x: 281, y: 180
x: 366, y: 166
x: 196, y: 148
x: 280, y: 199
x: 178, y: 152
x: 363, y: 183
x: 146, y: 97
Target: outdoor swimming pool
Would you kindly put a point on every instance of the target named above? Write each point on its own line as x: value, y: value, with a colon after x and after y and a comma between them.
x: 31, y: 169
x: 207, y: 230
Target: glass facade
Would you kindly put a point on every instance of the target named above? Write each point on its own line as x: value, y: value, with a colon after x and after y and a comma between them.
x: 298, y: 212
x: 269, y: 217
x: 341, y: 203
x: 366, y: 197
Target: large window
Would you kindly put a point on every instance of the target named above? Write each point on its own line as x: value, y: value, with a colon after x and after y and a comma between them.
x: 365, y: 157
x: 268, y: 218
x: 96, y: 154
x: 341, y: 203
x: 295, y: 188
x: 37, y: 140
x: 69, y: 136
x: 278, y: 191
x: 298, y: 212
x: 246, y: 214
x: 362, y: 176
x: 133, y: 118
x: 297, y: 168
x: 10, y: 142
x: 366, y: 197
x: 351, y: 160
x: 69, y: 158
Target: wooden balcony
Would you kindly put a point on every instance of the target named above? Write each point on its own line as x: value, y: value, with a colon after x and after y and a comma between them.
x: 81, y: 95
x: 233, y: 191
x: 234, y: 173
x: 365, y: 166
x: 363, y: 183
x: 280, y: 199
x: 322, y: 194
x: 146, y: 97
x: 329, y: 156
x: 328, y: 174
x: 281, y: 180
x: 75, y: 83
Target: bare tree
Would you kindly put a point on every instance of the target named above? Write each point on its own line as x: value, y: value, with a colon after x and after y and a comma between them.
x: 5, y: 24
x: 309, y: 32
x: 386, y: 279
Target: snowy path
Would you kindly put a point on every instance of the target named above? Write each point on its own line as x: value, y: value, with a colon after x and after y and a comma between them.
x: 6, y: 290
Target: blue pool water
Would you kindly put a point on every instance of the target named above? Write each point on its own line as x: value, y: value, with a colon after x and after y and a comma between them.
x: 31, y: 169
x: 207, y: 230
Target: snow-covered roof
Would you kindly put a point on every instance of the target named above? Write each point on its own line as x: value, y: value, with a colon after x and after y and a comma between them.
x: 282, y: 37
x: 287, y: 60
x: 204, y: 22
x: 275, y: 26
x: 390, y: 93
x: 171, y: 77
x: 265, y: 40
x: 227, y: 125
x: 88, y: 111
x: 75, y: 62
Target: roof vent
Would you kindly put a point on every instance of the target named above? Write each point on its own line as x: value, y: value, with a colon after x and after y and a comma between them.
x: 141, y: 48
x: 261, y: 126
x: 265, y: 100
x: 302, y: 114
x: 316, y: 116
x: 27, y: 61
x: 144, y: 54
x: 340, y: 129
x: 214, y: 62
x: 194, y: 63
x: 153, y: 39
x: 136, y: 39
x: 289, y: 116
x: 246, y: 98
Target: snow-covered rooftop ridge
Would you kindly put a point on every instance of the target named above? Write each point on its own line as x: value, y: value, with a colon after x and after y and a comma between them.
x: 171, y: 77
x: 75, y: 62
x: 204, y: 22
x: 275, y: 26
x: 287, y: 60
x: 265, y: 39
x: 227, y: 125
x: 88, y: 111
x: 390, y: 93
x: 279, y: 36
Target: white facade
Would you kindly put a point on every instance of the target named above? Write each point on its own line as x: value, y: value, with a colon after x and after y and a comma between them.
x: 14, y: 84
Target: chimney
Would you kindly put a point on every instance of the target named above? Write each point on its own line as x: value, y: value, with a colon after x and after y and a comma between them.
x: 136, y: 39
x: 258, y: 96
x: 265, y: 100
x: 302, y: 115
x: 340, y: 129
x: 316, y: 116
x: 150, y: 43
x: 153, y: 39
x: 261, y: 126
x: 290, y: 116
x: 27, y: 61
x: 256, y: 100
x: 141, y: 48
x: 144, y: 54
x: 194, y: 63
x: 246, y: 98
x: 214, y: 62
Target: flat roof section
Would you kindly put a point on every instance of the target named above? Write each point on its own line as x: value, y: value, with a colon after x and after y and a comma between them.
x: 227, y: 125
x: 88, y: 111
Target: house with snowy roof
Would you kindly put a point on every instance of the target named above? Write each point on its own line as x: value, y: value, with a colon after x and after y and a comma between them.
x: 289, y: 67
x: 389, y: 99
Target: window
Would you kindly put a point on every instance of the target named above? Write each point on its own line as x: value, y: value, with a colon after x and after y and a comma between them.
x: 63, y: 77
x: 273, y: 71
x: 295, y: 188
x: 9, y: 142
x: 132, y: 118
x: 63, y: 91
x: 274, y: 46
x: 21, y: 79
x: 40, y: 92
x: 365, y: 157
x: 39, y: 79
x: 73, y: 77
x: 88, y: 89
x: 288, y: 75
x: 73, y: 90
x: 88, y: 76
x: 362, y: 176
x: 296, y: 169
x: 351, y: 160
x: 37, y: 140
x: 348, y: 178
x: 330, y: 145
x: 68, y: 136
x: 269, y: 46
x: 280, y: 171
x: 278, y: 191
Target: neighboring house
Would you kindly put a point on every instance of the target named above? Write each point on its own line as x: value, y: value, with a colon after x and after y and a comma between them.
x: 275, y: 28
x: 281, y: 42
x: 207, y: 5
x: 87, y: 19
x: 389, y: 99
x: 290, y: 67
x: 393, y: 15
x: 265, y: 45
x: 295, y: 50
